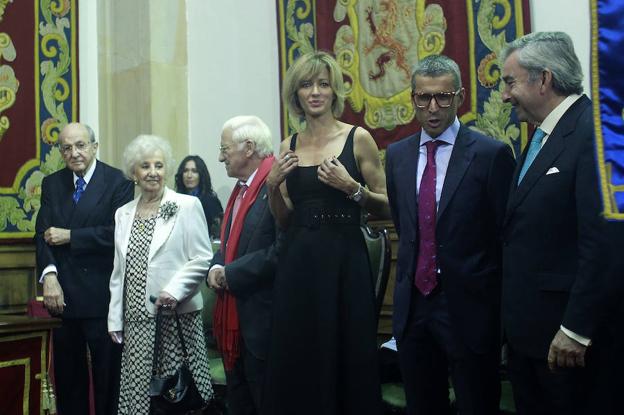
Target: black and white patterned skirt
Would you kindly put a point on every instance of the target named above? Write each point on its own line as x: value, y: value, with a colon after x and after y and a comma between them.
x: 136, y: 361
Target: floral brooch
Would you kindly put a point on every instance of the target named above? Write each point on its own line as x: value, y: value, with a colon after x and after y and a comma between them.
x: 168, y: 210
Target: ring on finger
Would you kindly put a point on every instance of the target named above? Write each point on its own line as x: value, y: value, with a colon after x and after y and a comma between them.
x: 286, y: 157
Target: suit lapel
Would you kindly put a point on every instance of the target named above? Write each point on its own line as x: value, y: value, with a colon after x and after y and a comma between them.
x: 545, y: 159
x: 163, y: 228
x: 252, y: 218
x: 460, y: 160
x: 66, y: 192
x: 125, y: 223
x: 408, y: 172
x: 91, y: 196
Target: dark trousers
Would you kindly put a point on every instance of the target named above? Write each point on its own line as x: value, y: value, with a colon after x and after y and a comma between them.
x: 244, y: 384
x: 539, y: 391
x: 429, y: 348
x: 71, y: 371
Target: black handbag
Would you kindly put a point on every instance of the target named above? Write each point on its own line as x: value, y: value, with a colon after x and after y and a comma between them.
x: 177, y: 393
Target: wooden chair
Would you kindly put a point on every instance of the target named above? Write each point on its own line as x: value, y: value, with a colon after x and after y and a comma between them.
x: 379, y: 255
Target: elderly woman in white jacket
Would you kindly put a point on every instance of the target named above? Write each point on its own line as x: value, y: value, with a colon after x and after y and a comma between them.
x: 162, y: 251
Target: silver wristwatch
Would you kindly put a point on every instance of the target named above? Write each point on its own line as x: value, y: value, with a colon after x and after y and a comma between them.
x: 358, y: 195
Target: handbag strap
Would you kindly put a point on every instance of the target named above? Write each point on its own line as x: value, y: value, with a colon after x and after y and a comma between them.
x: 157, y: 339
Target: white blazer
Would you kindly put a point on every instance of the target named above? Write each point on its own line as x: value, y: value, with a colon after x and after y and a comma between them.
x: 178, y: 261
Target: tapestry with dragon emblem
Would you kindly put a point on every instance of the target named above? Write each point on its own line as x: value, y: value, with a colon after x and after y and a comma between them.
x: 376, y: 42
x: 38, y: 96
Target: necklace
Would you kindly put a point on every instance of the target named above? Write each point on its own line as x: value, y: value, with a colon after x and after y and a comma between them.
x: 146, y: 210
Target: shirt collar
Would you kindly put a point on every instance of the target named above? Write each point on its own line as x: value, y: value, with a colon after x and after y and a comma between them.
x: 448, y: 136
x: 551, y: 120
x: 88, y: 174
x: 249, y: 180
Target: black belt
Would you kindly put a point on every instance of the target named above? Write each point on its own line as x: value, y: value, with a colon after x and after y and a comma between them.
x: 313, y: 217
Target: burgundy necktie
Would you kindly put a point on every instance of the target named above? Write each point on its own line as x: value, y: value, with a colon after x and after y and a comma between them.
x: 237, y: 202
x: 425, y: 279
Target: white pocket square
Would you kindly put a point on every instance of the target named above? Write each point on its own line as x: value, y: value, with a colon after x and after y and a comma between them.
x: 552, y: 170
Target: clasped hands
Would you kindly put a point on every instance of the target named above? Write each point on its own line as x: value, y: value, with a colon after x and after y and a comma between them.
x: 330, y: 172
x: 565, y: 352
x: 164, y: 300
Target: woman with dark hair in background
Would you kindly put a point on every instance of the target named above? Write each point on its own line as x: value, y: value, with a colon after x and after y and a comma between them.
x: 193, y: 179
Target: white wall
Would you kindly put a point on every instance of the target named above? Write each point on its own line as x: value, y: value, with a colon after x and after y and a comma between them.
x: 88, y: 64
x: 572, y: 17
x: 233, y: 70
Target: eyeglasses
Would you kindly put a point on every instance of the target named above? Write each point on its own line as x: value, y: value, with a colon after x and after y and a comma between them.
x: 225, y: 149
x: 68, y: 148
x: 443, y: 99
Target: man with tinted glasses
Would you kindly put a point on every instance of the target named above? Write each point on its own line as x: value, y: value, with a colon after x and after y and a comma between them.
x: 74, y: 237
x: 447, y: 187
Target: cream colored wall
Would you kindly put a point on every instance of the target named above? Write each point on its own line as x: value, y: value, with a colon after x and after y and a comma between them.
x: 572, y: 17
x: 233, y: 70
x: 138, y: 72
x: 181, y: 68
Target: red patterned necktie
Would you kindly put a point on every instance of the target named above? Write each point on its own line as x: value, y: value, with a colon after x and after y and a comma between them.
x: 425, y: 278
x: 237, y: 202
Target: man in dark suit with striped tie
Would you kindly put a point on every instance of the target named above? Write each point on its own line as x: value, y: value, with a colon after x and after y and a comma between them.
x: 74, y: 238
x: 554, y: 277
x: 447, y: 187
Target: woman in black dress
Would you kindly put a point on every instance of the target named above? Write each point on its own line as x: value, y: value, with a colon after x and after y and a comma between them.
x: 323, y: 355
x: 193, y: 179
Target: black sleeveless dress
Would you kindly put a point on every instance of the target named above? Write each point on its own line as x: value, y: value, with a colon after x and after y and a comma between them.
x: 323, y: 354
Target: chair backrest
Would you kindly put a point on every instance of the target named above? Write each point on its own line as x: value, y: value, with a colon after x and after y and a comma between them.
x: 379, y: 254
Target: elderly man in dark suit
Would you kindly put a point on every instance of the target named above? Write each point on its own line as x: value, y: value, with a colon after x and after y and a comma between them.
x: 447, y: 187
x: 554, y: 278
x: 74, y: 238
x: 243, y: 269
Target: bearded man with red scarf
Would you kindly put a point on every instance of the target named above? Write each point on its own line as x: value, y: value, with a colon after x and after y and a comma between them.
x: 243, y: 269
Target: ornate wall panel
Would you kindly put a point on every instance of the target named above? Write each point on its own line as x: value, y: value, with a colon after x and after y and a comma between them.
x: 38, y: 96
x: 377, y: 41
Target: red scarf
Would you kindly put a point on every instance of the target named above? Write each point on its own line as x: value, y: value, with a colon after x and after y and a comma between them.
x: 225, y: 319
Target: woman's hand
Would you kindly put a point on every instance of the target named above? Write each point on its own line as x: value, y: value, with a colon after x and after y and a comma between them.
x: 116, y: 336
x: 166, y: 301
x: 333, y: 173
x: 282, y: 166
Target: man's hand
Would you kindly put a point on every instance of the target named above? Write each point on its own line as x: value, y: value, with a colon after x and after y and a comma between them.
x: 56, y: 236
x: 53, y: 298
x: 216, y: 278
x: 116, y: 336
x: 565, y: 352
